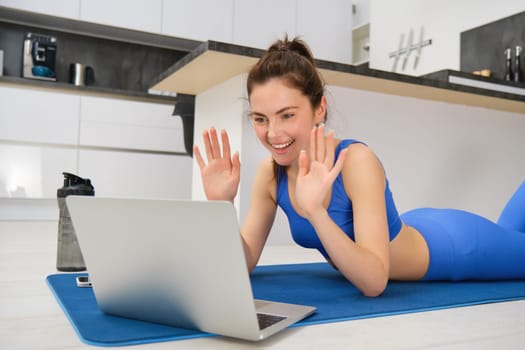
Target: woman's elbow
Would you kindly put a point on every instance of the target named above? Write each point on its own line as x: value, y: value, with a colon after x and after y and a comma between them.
x: 374, y: 289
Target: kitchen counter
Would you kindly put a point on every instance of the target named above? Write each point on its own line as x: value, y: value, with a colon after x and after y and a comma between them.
x: 30, y: 317
x: 214, y: 62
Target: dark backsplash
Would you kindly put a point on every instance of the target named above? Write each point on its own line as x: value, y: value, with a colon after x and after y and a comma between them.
x: 483, y: 47
x: 117, y: 65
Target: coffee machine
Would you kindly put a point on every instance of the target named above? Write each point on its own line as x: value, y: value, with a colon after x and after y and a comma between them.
x: 39, y: 56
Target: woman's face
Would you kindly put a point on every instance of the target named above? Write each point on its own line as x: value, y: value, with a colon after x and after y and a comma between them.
x: 283, y: 119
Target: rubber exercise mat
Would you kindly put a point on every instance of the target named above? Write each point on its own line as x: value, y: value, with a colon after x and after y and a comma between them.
x: 314, y: 284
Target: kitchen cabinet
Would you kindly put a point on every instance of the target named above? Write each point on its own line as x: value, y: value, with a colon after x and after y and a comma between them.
x: 33, y: 171
x: 259, y: 23
x: 38, y: 116
x: 130, y: 125
x: 132, y: 174
x: 327, y: 28
x: 61, y: 8
x: 138, y: 15
x: 198, y: 19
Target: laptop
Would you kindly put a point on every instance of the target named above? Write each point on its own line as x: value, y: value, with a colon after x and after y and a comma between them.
x: 174, y: 262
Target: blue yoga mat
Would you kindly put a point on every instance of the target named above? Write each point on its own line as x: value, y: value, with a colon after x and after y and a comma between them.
x: 314, y: 284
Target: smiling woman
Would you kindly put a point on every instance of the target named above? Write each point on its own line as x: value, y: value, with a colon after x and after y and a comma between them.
x: 336, y: 195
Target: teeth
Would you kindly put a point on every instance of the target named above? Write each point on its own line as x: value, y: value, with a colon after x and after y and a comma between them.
x: 282, y: 145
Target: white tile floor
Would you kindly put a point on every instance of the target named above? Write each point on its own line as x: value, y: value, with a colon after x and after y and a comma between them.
x: 30, y: 318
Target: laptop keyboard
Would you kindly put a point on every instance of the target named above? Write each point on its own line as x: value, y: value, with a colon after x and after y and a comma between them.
x: 266, y: 320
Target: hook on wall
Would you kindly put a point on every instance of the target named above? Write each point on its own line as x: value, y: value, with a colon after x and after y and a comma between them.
x: 410, y: 46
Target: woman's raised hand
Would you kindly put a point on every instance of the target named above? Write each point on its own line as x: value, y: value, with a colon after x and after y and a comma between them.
x: 221, y: 175
x: 317, y: 171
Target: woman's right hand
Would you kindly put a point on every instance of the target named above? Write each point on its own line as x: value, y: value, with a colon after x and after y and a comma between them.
x: 221, y: 175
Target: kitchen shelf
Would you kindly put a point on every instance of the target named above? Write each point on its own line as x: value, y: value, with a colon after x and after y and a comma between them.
x: 213, y: 62
x: 125, y: 61
x: 67, y: 88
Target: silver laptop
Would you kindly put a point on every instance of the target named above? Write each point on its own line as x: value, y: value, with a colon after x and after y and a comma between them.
x: 175, y: 262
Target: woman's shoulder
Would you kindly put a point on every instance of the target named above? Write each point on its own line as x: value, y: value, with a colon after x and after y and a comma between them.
x: 266, y: 171
x: 360, y: 159
x: 265, y: 179
x: 355, y: 147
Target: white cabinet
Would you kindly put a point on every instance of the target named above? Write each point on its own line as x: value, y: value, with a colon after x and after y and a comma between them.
x: 33, y: 171
x: 259, y: 23
x: 126, y: 174
x: 60, y: 8
x: 38, y: 136
x: 130, y: 125
x: 38, y: 116
x: 327, y: 28
x: 198, y: 19
x: 137, y: 14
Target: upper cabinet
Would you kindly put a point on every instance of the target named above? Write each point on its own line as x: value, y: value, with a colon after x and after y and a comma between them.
x: 327, y: 28
x: 259, y: 23
x: 139, y: 15
x: 60, y: 8
x: 198, y: 19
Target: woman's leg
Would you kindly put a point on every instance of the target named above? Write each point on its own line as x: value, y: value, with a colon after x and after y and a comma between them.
x: 465, y: 246
x: 513, y: 215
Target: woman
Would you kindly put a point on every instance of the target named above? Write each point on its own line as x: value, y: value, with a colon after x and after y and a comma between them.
x: 336, y: 195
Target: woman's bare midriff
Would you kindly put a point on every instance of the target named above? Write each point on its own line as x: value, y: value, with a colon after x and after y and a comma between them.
x: 409, y: 256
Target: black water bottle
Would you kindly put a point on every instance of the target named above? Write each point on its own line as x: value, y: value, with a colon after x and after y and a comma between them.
x: 69, y: 256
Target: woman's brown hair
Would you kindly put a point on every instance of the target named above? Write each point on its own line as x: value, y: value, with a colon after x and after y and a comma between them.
x: 292, y: 61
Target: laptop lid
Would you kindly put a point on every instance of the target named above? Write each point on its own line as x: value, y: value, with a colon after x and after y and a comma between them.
x: 176, y: 262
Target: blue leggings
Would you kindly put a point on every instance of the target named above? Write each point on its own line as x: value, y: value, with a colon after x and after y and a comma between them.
x: 466, y: 246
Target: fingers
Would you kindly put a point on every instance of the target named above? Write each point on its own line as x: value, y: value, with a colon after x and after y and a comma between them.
x: 320, y: 143
x: 226, y: 152
x: 313, y: 144
x: 322, y: 148
x: 198, y: 156
x: 236, y: 165
x: 303, y: 163
x: 338, y: 166
x: 207, y: 144
x: 215, y: 146
x: 329, y: 149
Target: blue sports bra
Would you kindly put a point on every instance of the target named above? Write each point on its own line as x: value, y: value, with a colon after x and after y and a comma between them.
x: 339, y: 209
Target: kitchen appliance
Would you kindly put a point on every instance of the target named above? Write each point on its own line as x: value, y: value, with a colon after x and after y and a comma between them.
x: 39, y: 56
x: 81, y: 75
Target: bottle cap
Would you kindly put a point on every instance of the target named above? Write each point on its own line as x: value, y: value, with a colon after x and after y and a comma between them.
x: 74, y: 184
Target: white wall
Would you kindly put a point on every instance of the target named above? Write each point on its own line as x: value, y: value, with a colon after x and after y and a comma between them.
x: 436, y: 154
x: 442, y: 20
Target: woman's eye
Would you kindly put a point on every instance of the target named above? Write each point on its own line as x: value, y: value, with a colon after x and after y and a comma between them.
x: 287, y: 116
x: 259, y: 120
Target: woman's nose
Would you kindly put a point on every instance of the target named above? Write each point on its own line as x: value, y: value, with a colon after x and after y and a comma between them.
x: 273, y: 129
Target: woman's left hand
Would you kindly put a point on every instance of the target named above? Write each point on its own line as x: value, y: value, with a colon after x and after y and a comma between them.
x: 317, y: 172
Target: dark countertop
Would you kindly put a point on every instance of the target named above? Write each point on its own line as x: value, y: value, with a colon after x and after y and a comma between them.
x: 214, y: 62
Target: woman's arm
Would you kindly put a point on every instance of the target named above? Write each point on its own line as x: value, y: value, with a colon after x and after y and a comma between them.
x: 220, y: 177
x: 365, y: 261
x: 261, y: 213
